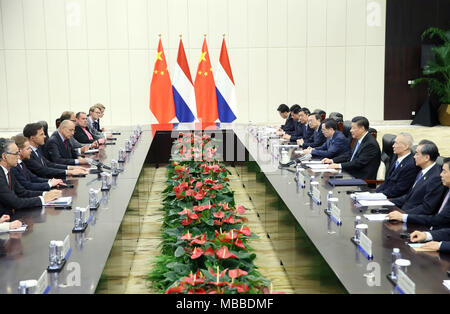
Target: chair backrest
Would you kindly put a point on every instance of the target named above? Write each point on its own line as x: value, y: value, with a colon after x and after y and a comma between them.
x: 340, y: 125
x: 322, y: 113
x: 346, y: 126
x: 57, y: 122
x: 440, y: 161
x: 387, y: 152
x: 339, y: 117
x: 373, y: 132
x: 413, y: 149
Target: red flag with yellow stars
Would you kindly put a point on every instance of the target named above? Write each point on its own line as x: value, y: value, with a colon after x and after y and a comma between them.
x: 205, y: 89
x: 161, y: 95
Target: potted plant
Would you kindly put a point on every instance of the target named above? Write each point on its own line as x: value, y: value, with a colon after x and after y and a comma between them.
x: 437, y: 72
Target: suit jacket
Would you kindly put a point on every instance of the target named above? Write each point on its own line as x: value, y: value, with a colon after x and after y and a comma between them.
x: 301, y: 131
x: 440, y: 220
x: 289, y: 125
x: 400, y: 180
x: 44, y: 168
x: 366, y: 161
x: 81, y: 136
x: 29, y: 180
x: 59, y: 152
x: 423, y: 198
x: 335, y: 146
x: 18, y: 197
x: 96, y: 134
x: 444, y: 236
x: 315, y: 140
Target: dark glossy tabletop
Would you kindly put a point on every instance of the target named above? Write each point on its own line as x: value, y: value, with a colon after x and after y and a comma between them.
x: 427, y: 270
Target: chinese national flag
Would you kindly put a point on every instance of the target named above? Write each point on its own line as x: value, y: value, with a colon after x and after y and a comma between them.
x: 205, y: 89
x: 161, y: 95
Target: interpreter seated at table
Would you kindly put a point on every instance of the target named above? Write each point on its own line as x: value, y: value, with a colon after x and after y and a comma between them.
x: 92, y: 123
x: 12, y: 194
x: 5, y: 225
x: 40, y: 165
x: 437, y: 240
x: 29, y: 180
x: 102, y: 113
x: 316, y: 138
x: 365, y: 156
x: 289, y: 126
x: 439, y: 220
x: 302, y: 130
x: 403, y: 172
x: 336, y: 143
x: 426, y: 194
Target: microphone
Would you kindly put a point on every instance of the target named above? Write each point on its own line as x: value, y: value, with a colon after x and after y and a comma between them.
x: 297, y: 160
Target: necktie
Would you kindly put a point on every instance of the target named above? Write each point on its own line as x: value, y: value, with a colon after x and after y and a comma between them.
x: 22, y: 166
x: 444, y: 202
x: 89, y: 135
x: 10, y: 187
x: 396, y: 164
x: 356, y: 149
x: 65, y: 144
x: 419, y: 176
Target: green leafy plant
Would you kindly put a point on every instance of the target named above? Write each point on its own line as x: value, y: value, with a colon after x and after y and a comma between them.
x: 438, y: 70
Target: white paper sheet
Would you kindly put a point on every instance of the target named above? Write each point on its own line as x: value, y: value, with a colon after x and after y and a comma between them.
x: 324, y: 170
x: 62, y: 201
x: 317, y: 166
x: 376, y: 217
x: 446, y: 284
x: 368, y: 196
x: 21, y: 229
x: 376, y: 203
x: 311, y: 162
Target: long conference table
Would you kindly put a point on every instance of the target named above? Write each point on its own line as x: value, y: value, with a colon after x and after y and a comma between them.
x: 25, y: 255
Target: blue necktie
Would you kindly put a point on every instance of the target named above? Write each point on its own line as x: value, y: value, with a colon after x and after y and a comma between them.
x: 356, y: 149
x: 396, y: 164
x: 419, y: 176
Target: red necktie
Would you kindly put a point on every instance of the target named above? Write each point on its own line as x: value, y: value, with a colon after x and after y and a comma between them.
x: 65, y: 144
x: 10, y: 187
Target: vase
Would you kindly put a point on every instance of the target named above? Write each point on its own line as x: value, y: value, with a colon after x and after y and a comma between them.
x: 444, y: 114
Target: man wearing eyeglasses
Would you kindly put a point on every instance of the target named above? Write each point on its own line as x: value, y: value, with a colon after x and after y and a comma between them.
x: 13, y: 196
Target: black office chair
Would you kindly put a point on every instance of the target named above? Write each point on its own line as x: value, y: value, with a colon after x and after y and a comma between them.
x: 337, y: 116
x: 387, y: 152
x: 413, y: 149
x: 373, y: 132
x: 346, y: 126
x: 322, y: 113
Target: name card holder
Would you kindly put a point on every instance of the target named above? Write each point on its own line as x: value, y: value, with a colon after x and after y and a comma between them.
x: 335, y: 214
x: 300, y: 179
x: 404, y: 284
x: 315, y: 195
x: 365, y: 246
x: 42, y: 285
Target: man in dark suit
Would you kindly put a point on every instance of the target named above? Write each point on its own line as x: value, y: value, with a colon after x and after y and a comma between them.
x: 426, y: 193
x: 316, y: 138
x: 12, y: 195
x: 302, y: 130
x: 403, y: 172
x: 335, y: 145
x: 365, y: 155
x: 102, y: 113
x: 442, y: 217
x: 40, y: 165
x: 440, y: 239
x: 59, y: 148
x: 82, y: 134
x: 284, y: 112
x: 25, y: 177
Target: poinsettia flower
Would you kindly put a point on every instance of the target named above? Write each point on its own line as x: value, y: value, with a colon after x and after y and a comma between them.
x: 240, y: 209
x: 196, y: 253
x: 209, y: 181
x: 223, y: 253
x: 235, y: 273
x: 209, y: 252
x: 244, y: 230
x: 198, y: 185
x: 239, y: 243
x: 220, y: 214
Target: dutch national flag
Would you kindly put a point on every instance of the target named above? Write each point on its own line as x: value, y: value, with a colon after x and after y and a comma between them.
x: 226, y: 94
x: 183, y: 89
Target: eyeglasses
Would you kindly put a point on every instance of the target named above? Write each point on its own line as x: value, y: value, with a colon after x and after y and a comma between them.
x: 15, y: 154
